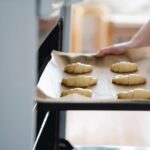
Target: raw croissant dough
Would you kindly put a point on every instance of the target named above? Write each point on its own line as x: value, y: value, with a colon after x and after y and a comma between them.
x: 84, y: 92
x: 130, y: 79
x: 78, y: 68
x: 79, y: 81
x: 124, y: 67
x: 135, y: 94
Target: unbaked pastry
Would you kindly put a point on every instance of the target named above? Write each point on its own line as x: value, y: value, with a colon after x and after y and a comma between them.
x: 135, y: 94
x: 79, y: 81
x: 78, y: 68
x: 130, y: 79
x: 84, y: 92
x: 124, y: 67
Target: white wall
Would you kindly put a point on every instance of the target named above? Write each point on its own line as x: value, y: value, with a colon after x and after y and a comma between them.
x: 140, y: 7
x: 18, y: 32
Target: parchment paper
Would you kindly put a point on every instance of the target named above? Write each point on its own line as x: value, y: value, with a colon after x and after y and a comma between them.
x: 49, y: 86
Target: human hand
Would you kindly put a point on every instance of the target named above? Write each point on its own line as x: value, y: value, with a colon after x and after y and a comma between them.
x: 114, y: 49
x: 140, y: 39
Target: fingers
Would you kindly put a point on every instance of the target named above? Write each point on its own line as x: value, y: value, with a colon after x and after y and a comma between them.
x: 114, y: 49
x: 105, y: 51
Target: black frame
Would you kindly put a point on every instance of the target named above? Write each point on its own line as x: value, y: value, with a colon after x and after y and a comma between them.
x: 47, y: 122
x: 132, y: 106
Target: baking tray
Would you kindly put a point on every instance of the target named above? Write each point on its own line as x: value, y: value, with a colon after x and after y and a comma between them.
x: 104, y: 93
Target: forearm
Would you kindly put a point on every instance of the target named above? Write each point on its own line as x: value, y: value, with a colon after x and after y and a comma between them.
x: 142, y: 37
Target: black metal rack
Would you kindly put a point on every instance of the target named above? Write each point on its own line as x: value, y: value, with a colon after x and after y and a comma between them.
x: 133, y: 106
x: 48, y: 115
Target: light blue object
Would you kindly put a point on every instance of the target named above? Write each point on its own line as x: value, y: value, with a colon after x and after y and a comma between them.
x: 111, y: 148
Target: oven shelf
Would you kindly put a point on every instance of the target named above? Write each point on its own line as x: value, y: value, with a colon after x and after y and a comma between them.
x: 134, y: 106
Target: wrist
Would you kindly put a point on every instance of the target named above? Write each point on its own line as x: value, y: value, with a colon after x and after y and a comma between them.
x: 132, y: 44
x: 124, y: 46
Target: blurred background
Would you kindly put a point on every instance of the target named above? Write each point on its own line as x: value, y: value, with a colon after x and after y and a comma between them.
x: 89, y: 25
x: 92, y: 25
x: 95, y: 24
